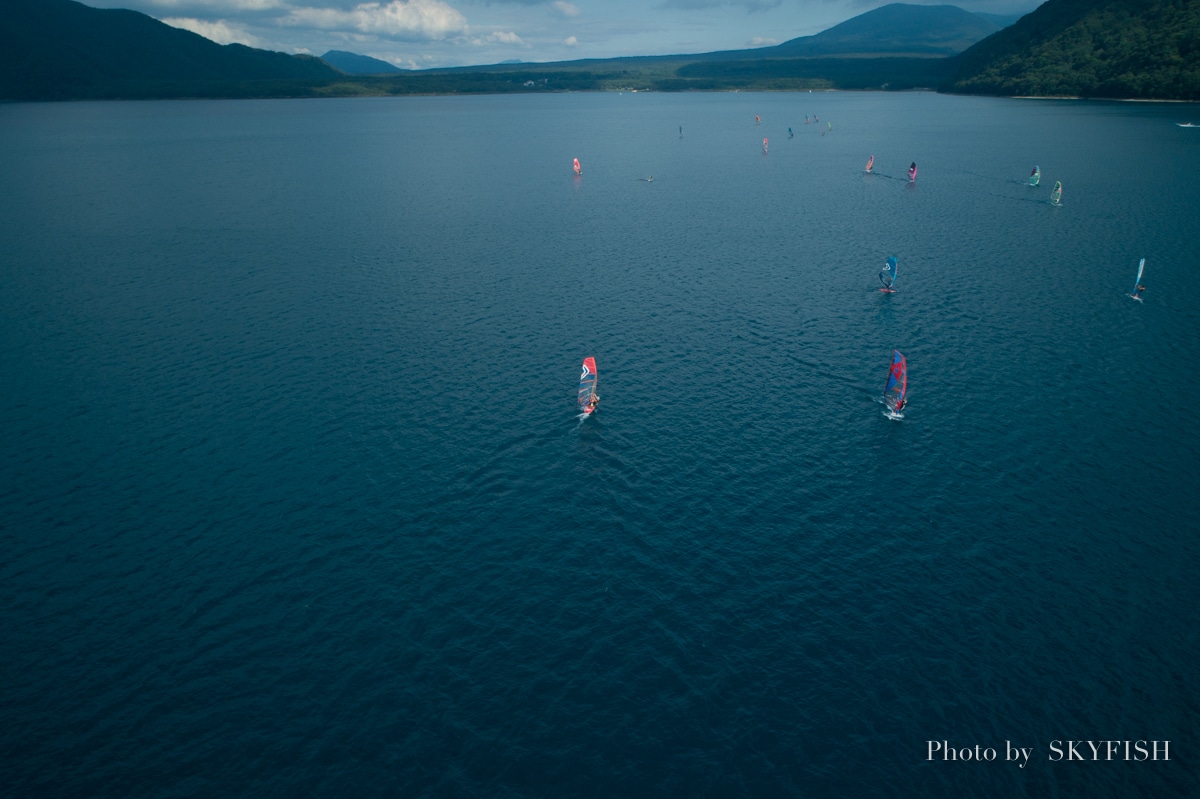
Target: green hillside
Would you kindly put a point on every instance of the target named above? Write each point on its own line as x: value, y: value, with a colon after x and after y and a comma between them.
x: 1140, y: 49
x: 59, y: 49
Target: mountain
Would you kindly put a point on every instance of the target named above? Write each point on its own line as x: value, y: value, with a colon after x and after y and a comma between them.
x: 60, y: 49
x: 896, y: 29
x: 1142, y: 49
x: 899, y: 29
x: 355, y: 64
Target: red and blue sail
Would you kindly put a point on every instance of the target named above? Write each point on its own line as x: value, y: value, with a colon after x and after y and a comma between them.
x: 897, y: 383
x: 587, y: 383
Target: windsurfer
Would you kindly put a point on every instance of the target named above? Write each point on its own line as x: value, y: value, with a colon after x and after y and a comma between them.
x: 593, y: 402
x: 900, y: 405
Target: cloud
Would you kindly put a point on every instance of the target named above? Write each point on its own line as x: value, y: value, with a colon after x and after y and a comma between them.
x: 762, y: 41
x: 699, y: 5
x: 398, y: 19
x: 566, y: 9
x: 570, y: 41
x: 234, y: 6
x: 499, y: 37
x: 219, y: 31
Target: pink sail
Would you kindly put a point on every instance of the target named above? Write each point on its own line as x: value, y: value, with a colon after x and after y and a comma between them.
x: 578, y: 169
x: 588, y: 379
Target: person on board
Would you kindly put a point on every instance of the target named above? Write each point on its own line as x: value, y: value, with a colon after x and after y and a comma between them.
x: 1140, y: 289
x: 900, y: 405
x: 593, y: 402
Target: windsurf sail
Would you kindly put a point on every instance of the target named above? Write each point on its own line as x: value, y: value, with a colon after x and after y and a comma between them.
x: 790, y: 134
x: 588, y: 379
x: 681, y: 131
x: 896, y: 390
x: 912, y: 171
x: 757, y: 121
x: 1056, y: 195
x: 870, y: 163
x: 830, y: 128
x: 1137, y: 283
x: 887, y: 275
x: 578, y: 169
x: 1035, y: 177
x: 764, y: 145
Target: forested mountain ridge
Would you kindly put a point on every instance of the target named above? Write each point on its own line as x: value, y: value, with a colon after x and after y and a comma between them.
x: 1135, y: 49
x: 60, y: 49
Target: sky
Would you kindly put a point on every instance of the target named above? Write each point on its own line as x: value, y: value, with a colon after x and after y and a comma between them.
x: 422, y: 34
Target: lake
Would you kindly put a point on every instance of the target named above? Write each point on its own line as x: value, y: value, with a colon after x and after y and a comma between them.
x: 297, y: 501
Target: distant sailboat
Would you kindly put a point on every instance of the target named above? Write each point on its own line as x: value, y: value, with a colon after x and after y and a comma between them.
x: 764, y: 145
x: 578, y: 169
x: 757, y: 121
x: 1056, y: 195
x: 912, y: 172
x: 588, y: 379
x: 1138, y: 288
x: 870, y: 163
x: 1035, y: 177
x: 681, y: 131
x: 887, y: 275
x: 895, y: 393
x: 790, y: 134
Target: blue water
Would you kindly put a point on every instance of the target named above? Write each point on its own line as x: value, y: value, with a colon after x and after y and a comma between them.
x: 294, y: 500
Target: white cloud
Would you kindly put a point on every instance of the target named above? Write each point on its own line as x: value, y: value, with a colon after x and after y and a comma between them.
x: 566, y: 9
x: 499, y: 37
x: 219, y: 31
x: 414, y: 19
x: 761, y: 41
x: 233, y: 6
x: 570, y: 41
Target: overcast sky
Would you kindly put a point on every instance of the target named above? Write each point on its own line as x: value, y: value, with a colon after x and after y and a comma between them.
x: 418, y: 34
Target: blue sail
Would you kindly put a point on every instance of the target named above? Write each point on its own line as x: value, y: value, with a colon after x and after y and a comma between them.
x: 887, y: 275
x: 1137, y: 283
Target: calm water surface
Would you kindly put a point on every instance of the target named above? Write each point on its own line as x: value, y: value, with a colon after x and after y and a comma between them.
x: 295, y: 500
